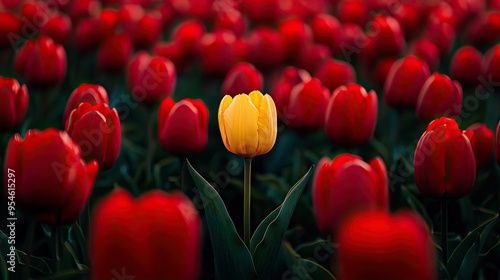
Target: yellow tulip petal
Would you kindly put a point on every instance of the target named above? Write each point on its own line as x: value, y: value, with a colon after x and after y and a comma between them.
x: 256, y: 97
x: 240, y: 120
x: 267, y: 125
x: 224, y: 104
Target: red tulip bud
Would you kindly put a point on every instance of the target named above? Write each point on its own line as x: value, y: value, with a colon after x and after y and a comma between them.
x: 335, y: 73
x: 188, y: 35
x: 379, y: 243
x: 14, y: 103
x: 439, y: 96
x: 491, y: 64
x: 353, y: 11
x: 41, y: 62
x: 444, y: 161
x: 10, y: 29
x: 52, y: 181
x: 295, y: 35
x: 242, y: 78
x: 183, y: 126
x: 336, y: 195
x: 281, y: 91
x: 444, y: 13
x: 312, y: 56
x: 484, y: 30
x: 173, y: 51
x: 326, y: 29
x: 351, y: 115
x: 151, y: 79
x: 136, y: 237
x: 481, y: 139
x: 381, y: 70
x: 97, y: 130
x: 404, y: 82
x: 114, y: 53
x: 143, y: 27
x: 218, y: 52
x: 79, y: 10
x: 265, y: 48
x: 90, y: 33
x: 260, y: 11
x: 466, y: 66
x: 232, y: 20
x: 427, y: 51
x: 409, y: 19
x: 92, y: 94
x: 58, y: 28
x: 442, y: 34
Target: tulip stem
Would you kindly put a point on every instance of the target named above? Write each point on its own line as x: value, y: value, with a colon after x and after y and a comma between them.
x: 247, y: 195
x: 151, y: 148
x: 55, y: 235
x: 444, y: 230
x: 28, y: 246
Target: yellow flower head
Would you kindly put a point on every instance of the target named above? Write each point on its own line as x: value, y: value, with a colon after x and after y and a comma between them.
x: 248, y: 123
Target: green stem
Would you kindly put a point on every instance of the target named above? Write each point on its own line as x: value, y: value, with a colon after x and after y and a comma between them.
x: 247, y: 171
x: 28, y: 246
x: 55, y: 235
x: 183, y: 170
x: 151, y: 147
x: 444, y: 230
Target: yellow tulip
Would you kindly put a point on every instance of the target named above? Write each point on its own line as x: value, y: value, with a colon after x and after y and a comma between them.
x: 248, y: 123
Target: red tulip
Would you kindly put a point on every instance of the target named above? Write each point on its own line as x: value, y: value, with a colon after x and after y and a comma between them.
x: 466, y: 60
x: 442, y: 34
x: 336, y: 194
x: 484, y: 30
x: 375, y: 245
x: 242, y: 78
x: 444, y: 161
x: 41, y: 62
x: 385, y: 39
x: 353, y: 11
x: 155, y: 237
x: 481, y: 139
x: 497, y: 144
x: 173, y: 51
x: 79, y: 10
x: 409, y: 18
x: 326, y: 29
x: 183, y: 126
x: 335, y: 73
x: 189, y: 34
x: 114, y: 53
x: 232, y: 20
x: 52, y: 181
x: 10, y: 29
x: 14, y: 103
x: 218, y: 52
x: 427, y: 51
x: 305, y: 107
x: 404, y: 82
x: 92, y: 94
x: 351, y: 115
x: 143, y: 27
x: 491, y: 64
x: 380, y: 71
x: 260, y: 11
x: 97, y: 130
x: 265, y: 48
x: 312, y: 56
x: 151, y: 79
x: 295, y: 35
x: 281, y: 90
x: 354, y: 40
x: 443, y: 12
x: 439, y: 96
x: 90, y: 33
x: 58, y: 28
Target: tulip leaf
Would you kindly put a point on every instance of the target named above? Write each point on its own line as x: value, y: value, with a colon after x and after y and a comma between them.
x: 457, y: 258
x: 300, y: 268
x: 40, y: 264
x: 266, y: 241
x: 310, y: 249
x: 231, y: 256
x: 470, y: 260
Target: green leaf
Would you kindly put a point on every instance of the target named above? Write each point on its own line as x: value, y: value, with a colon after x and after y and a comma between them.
x: 470, y: 261
x: 231, y: 256
x: 312, y: 248
x: 457, y: 257
x: 269, y: 234
x: 300, y: 268
x: 70, y: 274
x: 416, y: 205
x: 77, y: 239
x: 40, y: 264
x: 4, y: 249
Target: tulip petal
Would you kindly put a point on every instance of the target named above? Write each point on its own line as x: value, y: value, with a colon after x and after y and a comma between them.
x: 267, y: 125
x: 240, y: 120
x: 429, y: 165
x: 224, y: 104
x: 461, y: 171
x: 380, y: 172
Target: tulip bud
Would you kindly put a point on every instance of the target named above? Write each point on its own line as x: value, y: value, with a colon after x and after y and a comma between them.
x: 142, y: 235
x: 335, y: 73
x: 442, y: 34
x: 386, y: 38
x: 14, y: 103
x: 248, y: 123
x: 466, y: 60
x: 41, y: 62
x: 497, y: 144
x: 351, y: 115
x: 97, y: 130
x: 312, y: 56
x: 260, y: 11
x: 114, y: 53
x: 151, y: 79
x: 79, y: 10
x: 183, y: 126
x: 265, y: 48
x: 375, y: 245
x: 58, y: 28
x: 404, y: 82
x: 90, y: 33
x: 305, y: 107
x: 481, y: 139
x: 242, y: 78
x: 336, y: 195
x: 295, y: 35
x: 380, y: 70
x: 352, y: 11
x: 484, y: 30
x: 444, y: 161
x: 10, y: 29
x: 354, y: 40
x: 281, y: 91
x: 443, y: 12
x: 52, y: 181
x: 172, y: 51
x: 232, y: 20
x: 189, y: 34
x: 491, y: 65
x: 409, y: 19
x: 439, y: 96
x: 427, y: 51
x: 326, y: 29
x: 218, y: 52
x: 144, y: 29
x: 92, y: 94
